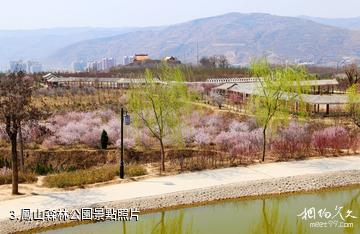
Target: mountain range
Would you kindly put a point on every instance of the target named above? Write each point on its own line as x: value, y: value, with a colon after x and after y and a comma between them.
x: 348, y: 23
x: 41, y: 43
x: 240, y: 37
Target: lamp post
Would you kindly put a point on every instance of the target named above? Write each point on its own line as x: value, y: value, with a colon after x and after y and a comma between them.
x: 125, y: 117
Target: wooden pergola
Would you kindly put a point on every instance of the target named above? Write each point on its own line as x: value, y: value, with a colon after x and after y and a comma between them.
x: 321, y: 95
x: 96, y: 82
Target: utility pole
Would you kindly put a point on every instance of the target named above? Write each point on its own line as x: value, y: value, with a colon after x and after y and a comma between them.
x: 122, y: 145
x: 125, y: 118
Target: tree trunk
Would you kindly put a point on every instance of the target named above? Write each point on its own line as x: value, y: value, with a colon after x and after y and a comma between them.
x: 162, y: 166
x: 22, y: 163
x: 264, y: 144
x: 15, y: 169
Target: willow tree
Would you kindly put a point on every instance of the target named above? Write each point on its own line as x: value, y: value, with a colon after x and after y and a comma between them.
x: 159, y: 104
x: 277, y: 93
x: 354, y: 104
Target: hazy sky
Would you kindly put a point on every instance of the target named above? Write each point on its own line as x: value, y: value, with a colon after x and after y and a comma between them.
x: 28, y: 14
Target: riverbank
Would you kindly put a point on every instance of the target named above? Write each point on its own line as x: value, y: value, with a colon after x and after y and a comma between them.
x: 195, y: 188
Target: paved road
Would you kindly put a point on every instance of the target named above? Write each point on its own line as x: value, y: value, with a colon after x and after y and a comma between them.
x: 169, y: 184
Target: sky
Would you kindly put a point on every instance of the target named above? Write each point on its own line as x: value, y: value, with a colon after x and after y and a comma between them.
x: 33, y: 14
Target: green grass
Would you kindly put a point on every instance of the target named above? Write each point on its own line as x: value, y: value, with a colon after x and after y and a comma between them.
x: 90, y: 176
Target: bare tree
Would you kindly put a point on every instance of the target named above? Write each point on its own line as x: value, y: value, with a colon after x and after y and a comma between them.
x: 208, y: 62
x: 219, y: 61
x: 16, y: 107
x: 223, y: 62
x: 353, y: 74
x: 217, y: 99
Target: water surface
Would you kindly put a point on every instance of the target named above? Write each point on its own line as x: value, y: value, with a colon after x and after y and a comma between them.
x: 277, y: 214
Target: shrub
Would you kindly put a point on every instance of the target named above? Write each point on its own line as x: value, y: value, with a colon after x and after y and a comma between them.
x: 225, y: 140
x: 4, y: 163
x: 112, y: 127
x: 355, y: 141
x: 319, y: 141
x: 80, y: 177
x: 238, y: 142
x: 247, y: 145
x: 49, y: 142
x: 292, y: 141
x: 34, y: 132
x: 134, y: 170
x: 27, y: 177
x: 214, y: 123
x: 193, y: 119
x: 24, y: 177
x: 335, y: 138
x: 71, y: 168
x: 188, y: 134
x: 104, y: 140
x: 255, y: 139
x: 90, y: 176
x: 41, y: 169
x: 236, y: 126
x: 145, y: 139
x: 3, y: 135
x: 91, y: 137
x: 129, y: 143
x: 83, y: 127
x: 240, y: 150
x: 5, y: 171
x: 202, y: 137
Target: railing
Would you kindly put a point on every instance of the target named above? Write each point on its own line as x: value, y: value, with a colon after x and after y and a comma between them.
x: 233, y: 80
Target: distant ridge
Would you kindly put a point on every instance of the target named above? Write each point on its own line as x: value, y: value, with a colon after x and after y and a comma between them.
x: 347, y: 23
x: 240, y: 37
x: 38, y: 44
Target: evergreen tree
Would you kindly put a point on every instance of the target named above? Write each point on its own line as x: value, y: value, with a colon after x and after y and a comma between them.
x: 104, y: 140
